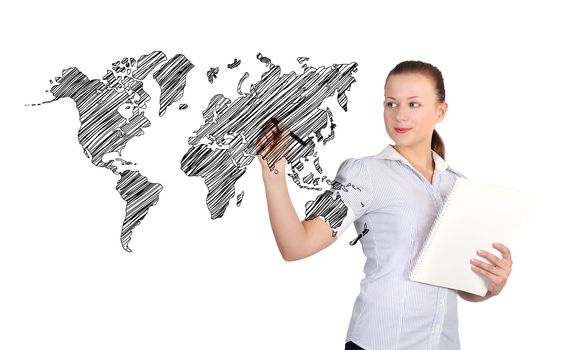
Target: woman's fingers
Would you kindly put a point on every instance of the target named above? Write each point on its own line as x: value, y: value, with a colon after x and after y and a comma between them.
x: 505, y: 252
x: 495, y: 283
x: 488, y: 271
x: 274, y: 138
x: 505, y: 261
x: 489, y: 256
x: 267, y: 136
x: 272, y: 146
x: 492, y: 269
x: 260, y: 159
x: 264, y: 140
x: 497, y: 271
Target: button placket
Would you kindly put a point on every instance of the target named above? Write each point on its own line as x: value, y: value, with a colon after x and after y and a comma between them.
x: 432, y: 188
x: 440, y: 318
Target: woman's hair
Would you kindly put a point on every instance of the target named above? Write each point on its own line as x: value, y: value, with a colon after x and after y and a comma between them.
x: 434, y: 74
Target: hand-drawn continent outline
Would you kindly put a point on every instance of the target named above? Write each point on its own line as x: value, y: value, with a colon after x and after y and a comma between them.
x: 225, y: 144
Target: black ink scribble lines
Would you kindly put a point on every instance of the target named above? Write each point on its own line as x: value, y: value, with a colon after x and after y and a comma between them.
x: 140, y: 195
x: 146, y: 64
x: 302, y: 59
x: 329, y: 205
x: 293, y: 135
x: 239, y: 198
x: 363, y: 233
x: 171, y: 77
x: 211, y: 74
x: 264, y: 60
x: 317, y: 165
x: 234, y: 64
x: 225, y: 144
x: 240, y: 83
x: 333, y: 210
x: 111, y: 114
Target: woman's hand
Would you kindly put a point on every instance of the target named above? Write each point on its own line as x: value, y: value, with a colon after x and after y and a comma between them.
x: 272, y: 144
x: 496, y: 273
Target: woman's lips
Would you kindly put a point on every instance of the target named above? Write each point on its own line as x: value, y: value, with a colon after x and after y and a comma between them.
x: 402, y: 131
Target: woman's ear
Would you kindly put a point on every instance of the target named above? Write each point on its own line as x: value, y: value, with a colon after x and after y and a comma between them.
x: 441, y: 110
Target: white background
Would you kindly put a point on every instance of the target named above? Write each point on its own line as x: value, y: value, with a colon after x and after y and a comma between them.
x: 191, y: 282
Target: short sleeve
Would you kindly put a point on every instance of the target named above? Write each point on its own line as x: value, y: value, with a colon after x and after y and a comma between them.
x: 348, y: 198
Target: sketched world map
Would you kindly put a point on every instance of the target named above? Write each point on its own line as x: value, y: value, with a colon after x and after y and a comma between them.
x: 111, y: 111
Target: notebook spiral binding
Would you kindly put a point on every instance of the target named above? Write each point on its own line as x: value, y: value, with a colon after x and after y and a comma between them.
x: 434, y: 227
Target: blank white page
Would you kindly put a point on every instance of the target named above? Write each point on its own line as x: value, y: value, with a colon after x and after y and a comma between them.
x: 474, y: 215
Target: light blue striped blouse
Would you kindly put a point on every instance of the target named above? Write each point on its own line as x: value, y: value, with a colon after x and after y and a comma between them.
x: 396, y: 208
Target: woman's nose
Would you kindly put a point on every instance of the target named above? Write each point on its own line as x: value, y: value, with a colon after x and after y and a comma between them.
x: 400, y: 114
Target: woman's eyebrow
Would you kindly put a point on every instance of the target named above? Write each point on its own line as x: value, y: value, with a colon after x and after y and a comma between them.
x: 410, y: 97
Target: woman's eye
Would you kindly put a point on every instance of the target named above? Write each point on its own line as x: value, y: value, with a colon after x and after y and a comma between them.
x: 414, y: 104
x: 389, y: 104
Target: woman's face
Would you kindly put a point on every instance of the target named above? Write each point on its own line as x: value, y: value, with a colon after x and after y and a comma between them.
x: 411, y: 103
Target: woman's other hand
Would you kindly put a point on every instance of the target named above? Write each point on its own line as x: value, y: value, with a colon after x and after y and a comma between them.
x: 497, y: 272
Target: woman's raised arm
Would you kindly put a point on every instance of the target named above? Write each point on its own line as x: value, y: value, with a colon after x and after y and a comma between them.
x: 295, y: 239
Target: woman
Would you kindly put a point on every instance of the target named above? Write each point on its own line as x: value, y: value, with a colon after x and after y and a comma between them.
x: 401, y: 190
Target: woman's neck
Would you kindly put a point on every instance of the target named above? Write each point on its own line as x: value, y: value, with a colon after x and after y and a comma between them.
x: 420, y: 157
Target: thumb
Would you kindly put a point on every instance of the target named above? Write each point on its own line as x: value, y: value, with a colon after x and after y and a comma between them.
x: 262, y: 161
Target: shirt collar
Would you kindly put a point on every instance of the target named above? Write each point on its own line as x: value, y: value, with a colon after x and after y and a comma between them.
x: 391, y: 153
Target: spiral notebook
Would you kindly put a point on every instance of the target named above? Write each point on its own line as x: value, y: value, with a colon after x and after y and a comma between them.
x: 474, y: 215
